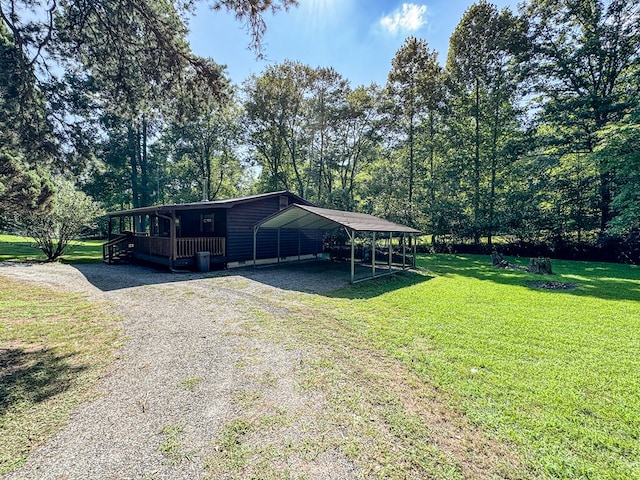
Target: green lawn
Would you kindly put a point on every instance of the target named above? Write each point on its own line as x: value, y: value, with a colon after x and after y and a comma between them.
x: 53, y: 349
x: 555, y: 373
x: 14, y: 247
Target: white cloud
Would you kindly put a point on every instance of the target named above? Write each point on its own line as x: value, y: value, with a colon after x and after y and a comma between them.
x: 409, y: 18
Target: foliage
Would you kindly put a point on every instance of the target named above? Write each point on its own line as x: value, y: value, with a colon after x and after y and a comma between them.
x: 528, y: 131
x: 118, y: 59
x: 25, y: 128
x: 584, y: 59
x: 414, y: 94
x: 619, y: 149
x: 483, y: 118
x: 26, y: 141
x: 310, y: 132
x: 22, y: 190
x: 200, y: 144
x: 53, y: 232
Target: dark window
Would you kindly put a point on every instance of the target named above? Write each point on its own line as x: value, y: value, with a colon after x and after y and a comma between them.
x: 206, y: 223
x: 284, y: 202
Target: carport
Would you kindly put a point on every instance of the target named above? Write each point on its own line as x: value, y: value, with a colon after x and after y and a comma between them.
x: 304, y: 217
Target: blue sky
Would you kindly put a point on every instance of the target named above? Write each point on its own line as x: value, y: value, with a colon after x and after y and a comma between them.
x: 356, y: 37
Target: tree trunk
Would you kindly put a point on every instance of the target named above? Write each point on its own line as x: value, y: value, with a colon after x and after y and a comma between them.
x: 133, y: 155
x: 144, y: 170
x: 540, y: 265
x: 476, y: 169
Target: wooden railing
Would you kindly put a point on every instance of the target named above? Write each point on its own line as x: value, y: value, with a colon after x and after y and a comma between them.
x: 158, y: 246
x: 117, y: 249
x: 187, y: 247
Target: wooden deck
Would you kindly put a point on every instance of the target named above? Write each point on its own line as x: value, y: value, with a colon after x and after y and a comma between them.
x: 145, y: 247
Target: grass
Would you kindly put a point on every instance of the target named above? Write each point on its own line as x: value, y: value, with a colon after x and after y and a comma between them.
x: 190, y: 383
x: 53, y: 348
x: 14, y: 247
x: 171, y: 446
x: 555, y: 373
x: 460, y: 371
x: 374, y: 413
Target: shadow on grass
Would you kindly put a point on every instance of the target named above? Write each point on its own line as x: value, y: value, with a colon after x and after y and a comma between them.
x: 609, y: 281
x: 33, y: 376
x: 382, y: 285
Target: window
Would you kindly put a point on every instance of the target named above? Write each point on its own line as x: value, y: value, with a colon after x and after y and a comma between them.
x: 206, y: 222
x: 284, y: 202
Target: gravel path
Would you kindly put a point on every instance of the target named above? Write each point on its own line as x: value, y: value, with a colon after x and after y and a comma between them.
x: 182, y: 373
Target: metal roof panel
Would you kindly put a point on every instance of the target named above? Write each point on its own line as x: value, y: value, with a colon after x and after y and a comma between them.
x: 309, y: 217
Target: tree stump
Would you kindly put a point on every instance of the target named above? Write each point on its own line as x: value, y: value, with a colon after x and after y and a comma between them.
x: 540, y: 265
x: 496, y: 259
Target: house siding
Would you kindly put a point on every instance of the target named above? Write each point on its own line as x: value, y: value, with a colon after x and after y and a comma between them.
x: 240, y: 221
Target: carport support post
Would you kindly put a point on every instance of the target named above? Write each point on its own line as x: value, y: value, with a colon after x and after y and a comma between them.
x: 373, y: 254
x: 298, y: 244
x: 414, y: 251
x: 278, y: 245
x: 353, y: 255
x: 390, y: 251
x: 404, y: 250
x: 255, y: 235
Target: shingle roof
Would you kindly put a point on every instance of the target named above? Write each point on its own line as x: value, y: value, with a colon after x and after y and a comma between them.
x: 316, y: 218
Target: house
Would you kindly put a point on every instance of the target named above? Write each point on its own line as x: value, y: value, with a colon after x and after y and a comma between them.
x: 171, y: 235
x: 258, y: 229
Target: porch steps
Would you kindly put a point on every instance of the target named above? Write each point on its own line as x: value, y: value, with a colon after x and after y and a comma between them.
x: 118, y: 250
x: 119, y: 258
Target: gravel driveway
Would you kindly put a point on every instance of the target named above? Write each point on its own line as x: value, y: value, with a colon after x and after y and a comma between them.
x: 181, y: 376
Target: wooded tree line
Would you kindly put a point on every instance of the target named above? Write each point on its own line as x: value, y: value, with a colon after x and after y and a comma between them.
x: 531, y: 130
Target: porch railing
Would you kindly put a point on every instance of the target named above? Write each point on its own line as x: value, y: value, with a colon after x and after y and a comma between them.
x: 118, y: 249
x: 158, y: 246
x: 185, y: 247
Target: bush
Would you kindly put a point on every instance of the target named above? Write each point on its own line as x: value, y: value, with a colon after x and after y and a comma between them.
x: 53, y: 232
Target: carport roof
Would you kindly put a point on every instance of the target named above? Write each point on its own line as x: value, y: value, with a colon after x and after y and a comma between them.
x: 316, y: 218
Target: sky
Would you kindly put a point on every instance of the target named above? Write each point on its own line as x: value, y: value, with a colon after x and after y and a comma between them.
x: 358, y: 38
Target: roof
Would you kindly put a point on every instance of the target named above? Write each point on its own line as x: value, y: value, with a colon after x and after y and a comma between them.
x: 227, y: 203
x: 316, y: 218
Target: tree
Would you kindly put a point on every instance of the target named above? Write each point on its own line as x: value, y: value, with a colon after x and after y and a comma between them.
x: 27, y: 148
x: 358, y: 141
x: 275, y: 120
x: 413, y: 88
x: 41, y: 28
x: 200, y: 148
x: 324, y: 108
x: 23, y: 190
x: 619, y: 150
x: 54, y: 231
x: 114, y: 57
x: 484, y: 87
x: 584, y: 60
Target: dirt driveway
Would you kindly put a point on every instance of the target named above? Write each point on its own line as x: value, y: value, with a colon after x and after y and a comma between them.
x: 181, y: 376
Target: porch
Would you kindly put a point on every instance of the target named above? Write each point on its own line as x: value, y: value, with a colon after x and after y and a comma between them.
x: 141, y: 246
